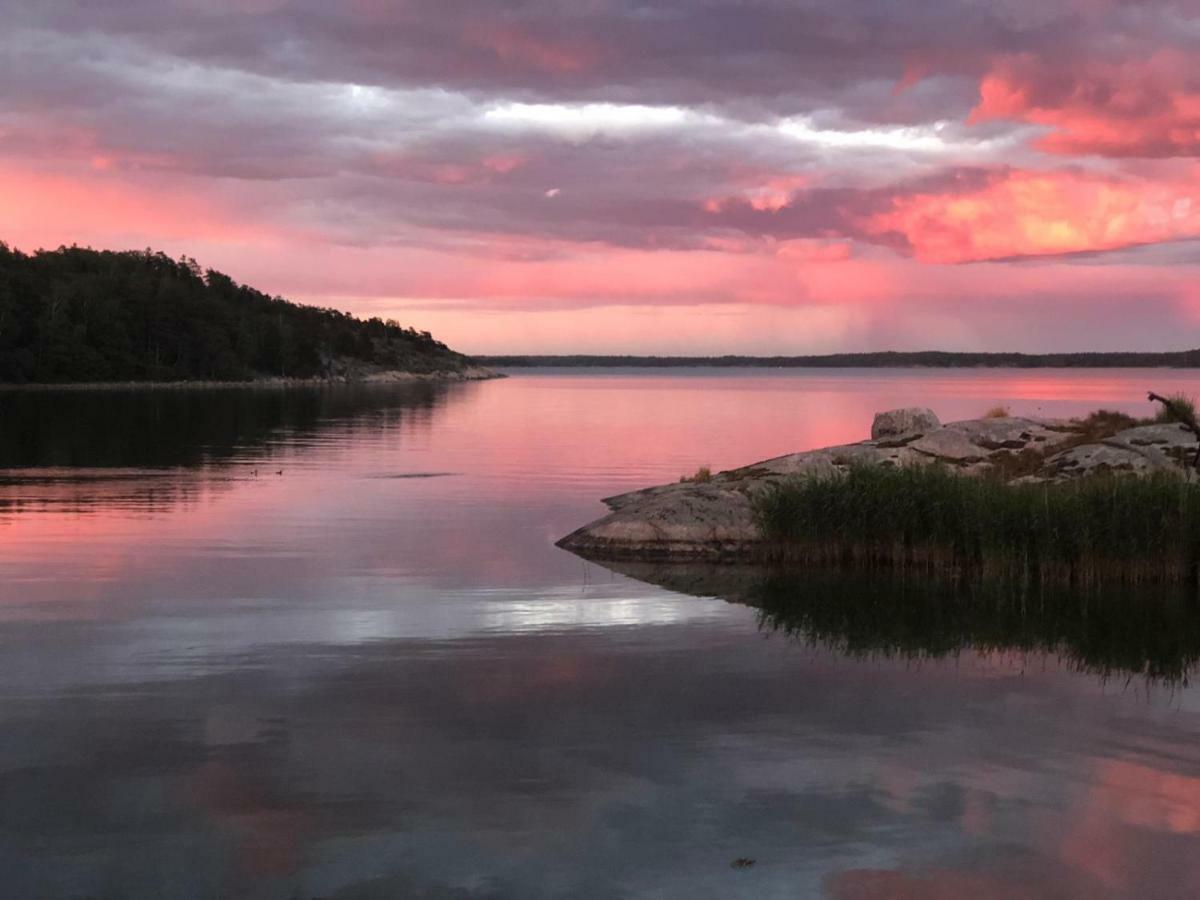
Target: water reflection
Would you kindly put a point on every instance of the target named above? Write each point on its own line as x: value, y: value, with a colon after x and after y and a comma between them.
x: 100, y: 451
x: 136, y: 429
x: 589, y: 763
x: 1152, y: 631
x: 346, y: 682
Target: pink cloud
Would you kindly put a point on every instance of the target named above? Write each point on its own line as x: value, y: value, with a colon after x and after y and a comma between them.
x: 51, y: 207
x: 1140, y: 107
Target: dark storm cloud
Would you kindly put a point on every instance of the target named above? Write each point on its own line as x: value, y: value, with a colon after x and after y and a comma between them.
x: 767, y: 55
x: 782, y: 56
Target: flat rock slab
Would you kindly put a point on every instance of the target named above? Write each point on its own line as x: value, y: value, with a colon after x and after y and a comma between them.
x: 1013, y: 432
x: 950, y: 445
x: 703, y: 521
x: 1138, y: 451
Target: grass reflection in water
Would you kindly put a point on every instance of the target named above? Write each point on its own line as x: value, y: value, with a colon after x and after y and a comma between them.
x: 1151, y: 631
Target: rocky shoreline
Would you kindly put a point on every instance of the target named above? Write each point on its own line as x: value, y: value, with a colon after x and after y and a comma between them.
x: 713, y: 519
x: 387, y: 376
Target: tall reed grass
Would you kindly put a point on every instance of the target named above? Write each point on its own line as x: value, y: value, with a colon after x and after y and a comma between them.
x: 1096, y: 529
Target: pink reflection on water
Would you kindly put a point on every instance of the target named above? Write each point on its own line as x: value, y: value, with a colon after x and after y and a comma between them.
x: 1122, y: 806
x: 526, y: 459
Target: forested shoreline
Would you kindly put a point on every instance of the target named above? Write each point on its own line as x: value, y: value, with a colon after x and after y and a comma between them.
x: 77, y: 315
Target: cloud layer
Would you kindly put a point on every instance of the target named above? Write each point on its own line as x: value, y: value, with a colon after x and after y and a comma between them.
x: 847, y: 167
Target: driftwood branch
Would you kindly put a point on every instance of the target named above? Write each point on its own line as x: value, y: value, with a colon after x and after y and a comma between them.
x: 1184, y: 417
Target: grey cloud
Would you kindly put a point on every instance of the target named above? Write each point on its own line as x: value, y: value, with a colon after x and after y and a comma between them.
x: 785, y: 57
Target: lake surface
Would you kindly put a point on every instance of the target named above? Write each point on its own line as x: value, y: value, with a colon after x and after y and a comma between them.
x: 319, y: 643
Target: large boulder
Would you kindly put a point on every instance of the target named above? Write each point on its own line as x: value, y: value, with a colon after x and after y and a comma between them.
x: 900, y: 422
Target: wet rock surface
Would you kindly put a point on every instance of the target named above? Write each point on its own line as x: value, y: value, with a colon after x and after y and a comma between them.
x: 715, y: 519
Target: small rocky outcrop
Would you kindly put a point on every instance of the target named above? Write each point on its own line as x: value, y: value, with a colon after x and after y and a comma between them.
x: 714, y: 519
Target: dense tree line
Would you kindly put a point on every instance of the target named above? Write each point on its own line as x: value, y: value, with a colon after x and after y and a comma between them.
x: 916, y: 359
x: 82, y: 315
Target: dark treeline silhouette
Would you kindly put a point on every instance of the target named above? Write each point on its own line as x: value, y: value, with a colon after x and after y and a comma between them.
x: 885, y: 359
x: 83, y: 315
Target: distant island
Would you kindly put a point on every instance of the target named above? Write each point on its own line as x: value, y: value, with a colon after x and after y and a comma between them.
x: 1180, y: 359
x: 83, y: 316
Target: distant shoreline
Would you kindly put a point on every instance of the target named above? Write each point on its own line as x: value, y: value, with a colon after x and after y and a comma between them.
x: 471, y: 373
x: 927, y: 359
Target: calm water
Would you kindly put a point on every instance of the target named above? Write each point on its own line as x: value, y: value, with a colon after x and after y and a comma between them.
x: 320, y: 644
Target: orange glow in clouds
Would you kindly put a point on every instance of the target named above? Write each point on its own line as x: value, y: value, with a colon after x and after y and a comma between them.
x: 1040, y: 214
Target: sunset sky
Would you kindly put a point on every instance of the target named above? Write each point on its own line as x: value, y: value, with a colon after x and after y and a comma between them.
x: 616, y: 176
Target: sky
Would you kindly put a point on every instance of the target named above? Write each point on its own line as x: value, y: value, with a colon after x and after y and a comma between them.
x: 607, y: 176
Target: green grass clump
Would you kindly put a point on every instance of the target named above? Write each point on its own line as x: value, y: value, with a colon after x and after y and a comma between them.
x: 1104, y: 423
x: 997, y: 412
x: 1185, y: 403
x: 1096, y: 529
x: 703, y: 476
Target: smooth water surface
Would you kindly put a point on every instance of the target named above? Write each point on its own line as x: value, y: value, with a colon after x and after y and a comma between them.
x: 319, y: 643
